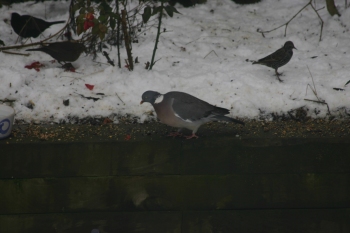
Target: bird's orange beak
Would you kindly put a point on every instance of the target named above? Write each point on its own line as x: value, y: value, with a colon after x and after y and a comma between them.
x: 141, y: 102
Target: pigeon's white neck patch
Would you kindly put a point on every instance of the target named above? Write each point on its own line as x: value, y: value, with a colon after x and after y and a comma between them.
x: 159, y: 99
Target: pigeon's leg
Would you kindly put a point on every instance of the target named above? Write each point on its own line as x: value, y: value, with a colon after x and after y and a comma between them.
x: 278, y: 76
x: 175, y: 134
x: 191, y: 136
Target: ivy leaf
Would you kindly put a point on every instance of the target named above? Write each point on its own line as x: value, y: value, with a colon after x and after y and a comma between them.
x: 147, y: 13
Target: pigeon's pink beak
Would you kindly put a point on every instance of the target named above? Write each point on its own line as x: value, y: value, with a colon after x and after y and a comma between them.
x: 141, y: 102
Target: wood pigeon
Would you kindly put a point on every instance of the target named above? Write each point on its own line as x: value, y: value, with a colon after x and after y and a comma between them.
x: 181, y: 110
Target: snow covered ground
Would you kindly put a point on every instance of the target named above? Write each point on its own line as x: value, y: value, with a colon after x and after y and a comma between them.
x: 206, y: 51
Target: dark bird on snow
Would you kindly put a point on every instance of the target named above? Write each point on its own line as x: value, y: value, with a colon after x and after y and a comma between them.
x: 28, y: 26
x: 66, y: 51
x: 279, y: 58
x: 181, y: 110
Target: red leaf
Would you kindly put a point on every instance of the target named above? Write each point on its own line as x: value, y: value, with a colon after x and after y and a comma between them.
x: 127, y: 137
x: 89, y: 16
x: 107, y: 121
x: 35, y: 65
x: 88, y: 24
x: 90, y: 87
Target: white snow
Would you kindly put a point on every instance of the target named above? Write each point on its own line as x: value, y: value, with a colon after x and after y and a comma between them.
x: 204, y: 53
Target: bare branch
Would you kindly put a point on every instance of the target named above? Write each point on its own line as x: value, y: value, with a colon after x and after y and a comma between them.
x: 287, y: 23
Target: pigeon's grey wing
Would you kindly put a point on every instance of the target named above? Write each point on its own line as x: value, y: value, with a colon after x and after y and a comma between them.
x: 189, y: 107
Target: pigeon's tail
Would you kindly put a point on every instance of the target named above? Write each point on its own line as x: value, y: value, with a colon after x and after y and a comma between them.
x: 228, y: 119
x: 256, y: 62
x: 57, y: 22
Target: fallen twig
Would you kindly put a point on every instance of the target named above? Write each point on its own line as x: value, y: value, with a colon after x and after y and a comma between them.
x: 107, y: 57
x: 314, y: 90
x: 7, y: 101
x: 120, y: 98
x: 210, y: 53
x: 320, y: 102
x: 88, y: 97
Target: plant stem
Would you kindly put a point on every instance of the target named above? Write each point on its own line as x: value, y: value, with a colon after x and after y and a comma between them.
x: 118, y: 33
x: 157, y: 38
x: 127, y: 41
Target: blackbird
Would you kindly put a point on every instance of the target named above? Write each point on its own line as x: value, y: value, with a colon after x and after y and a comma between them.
x: 28, y: 26
x: 279, y: 58
x: 66, y: 51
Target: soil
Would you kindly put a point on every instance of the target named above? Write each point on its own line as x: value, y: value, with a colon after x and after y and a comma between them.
x: 129, y: 130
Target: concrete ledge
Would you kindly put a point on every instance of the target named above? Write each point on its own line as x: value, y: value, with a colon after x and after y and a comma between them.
x: 132, y: 178
x: 167, y: 156
x: 176, y: 192
x: 242, y: 221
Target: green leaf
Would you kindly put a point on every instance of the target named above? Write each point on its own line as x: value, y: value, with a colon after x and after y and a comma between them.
x: 80, y: 29
x: 169, y: 10
x: 102, y: 35
x: 104, y: 5
x: 82, y: 10
x: 91, y: 9
x: 76, y: 7
x: 96, y: 29
x: 102, y: 18
x: 147, y: 13
x: 114, y: 15
x: 80, y: 18
x: 156, y: 10
x: 102, y: 28
x: 173, y: 9
x: 112, y: 23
